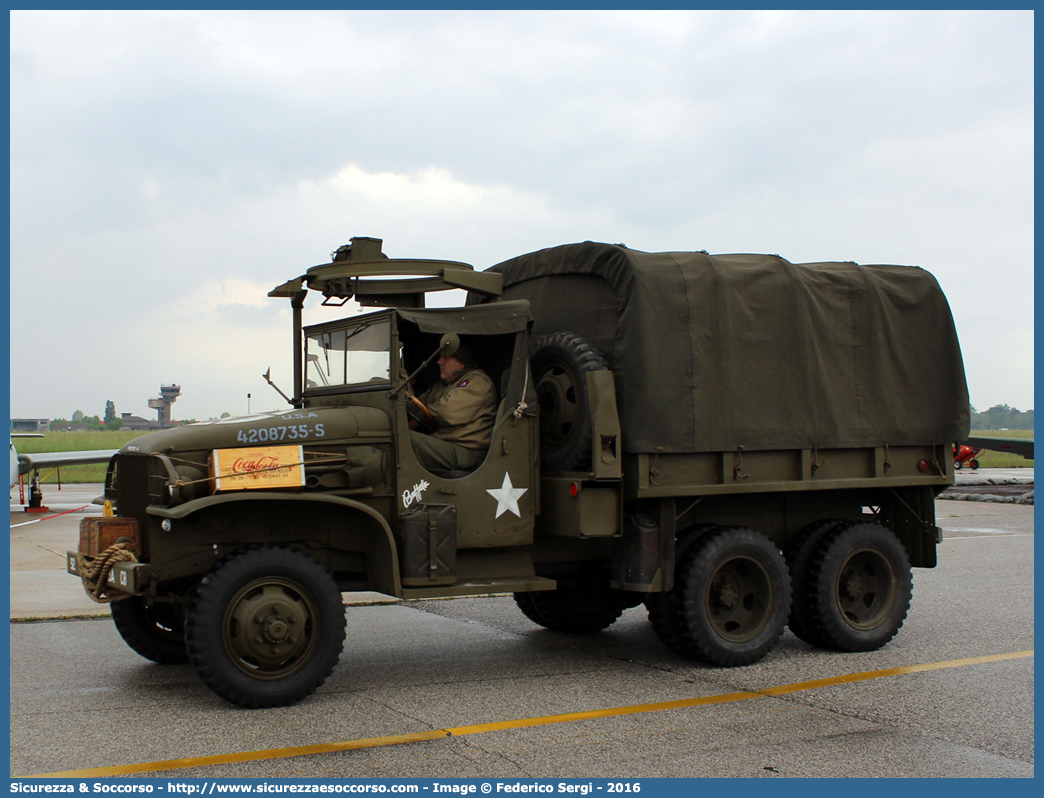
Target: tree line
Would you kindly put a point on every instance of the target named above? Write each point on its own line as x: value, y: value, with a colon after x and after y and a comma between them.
x: 1001, y: 417
x: 996, y: 417
x: 110, y: 421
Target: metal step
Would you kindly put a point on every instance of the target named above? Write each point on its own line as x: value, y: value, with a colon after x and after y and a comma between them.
x: 482, y: 587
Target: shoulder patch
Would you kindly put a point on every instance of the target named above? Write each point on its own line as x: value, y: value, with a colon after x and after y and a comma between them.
x: 464, y: 384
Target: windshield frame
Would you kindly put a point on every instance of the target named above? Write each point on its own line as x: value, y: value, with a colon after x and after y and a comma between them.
x: 351, y: 326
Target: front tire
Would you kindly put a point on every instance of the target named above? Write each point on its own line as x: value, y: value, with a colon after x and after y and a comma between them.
x: 265, y: 627
x: 735, y: 597
x: 156, y: 632
x: 860, y: 587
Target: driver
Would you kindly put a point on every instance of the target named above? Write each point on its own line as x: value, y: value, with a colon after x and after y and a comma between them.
x: 463, y: 406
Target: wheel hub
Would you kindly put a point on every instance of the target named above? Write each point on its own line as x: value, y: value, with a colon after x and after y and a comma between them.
x: 267, y: 628
x: 739, y: 599
x: 866, y: 589
x: 276, y: 628
x: 726, y: 594
x: 852, y: 585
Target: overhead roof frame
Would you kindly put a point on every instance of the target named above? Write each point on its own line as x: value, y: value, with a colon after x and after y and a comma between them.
x: 361, y: 271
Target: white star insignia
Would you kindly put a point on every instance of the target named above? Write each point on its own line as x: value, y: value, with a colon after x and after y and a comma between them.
x: 507, y: 497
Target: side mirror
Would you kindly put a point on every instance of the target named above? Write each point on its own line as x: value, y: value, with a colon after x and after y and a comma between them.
x: 449, y: 344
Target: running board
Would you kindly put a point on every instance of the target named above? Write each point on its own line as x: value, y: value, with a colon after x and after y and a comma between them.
x: 482, y: 587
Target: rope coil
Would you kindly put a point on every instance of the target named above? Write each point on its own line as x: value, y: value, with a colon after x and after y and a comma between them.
x: 94, y: 572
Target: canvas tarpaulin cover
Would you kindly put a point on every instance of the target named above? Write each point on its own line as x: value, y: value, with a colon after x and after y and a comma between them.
x: 715, y: 352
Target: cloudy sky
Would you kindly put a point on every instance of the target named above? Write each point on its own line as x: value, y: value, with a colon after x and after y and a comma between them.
x: 169, y: 168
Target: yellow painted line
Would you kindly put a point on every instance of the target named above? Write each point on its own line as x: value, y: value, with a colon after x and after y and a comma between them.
x: 547, y: 720
x: 865, y: 675
x: 245, y: 756
x: 520, y: 723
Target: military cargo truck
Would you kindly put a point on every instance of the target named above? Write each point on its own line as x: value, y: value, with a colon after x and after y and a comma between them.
x: 738, y: 442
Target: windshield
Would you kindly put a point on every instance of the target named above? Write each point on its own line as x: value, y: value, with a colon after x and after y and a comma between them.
x: 348, y: 356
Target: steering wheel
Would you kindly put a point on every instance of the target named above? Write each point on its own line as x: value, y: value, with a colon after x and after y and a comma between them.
x: 423, y: 409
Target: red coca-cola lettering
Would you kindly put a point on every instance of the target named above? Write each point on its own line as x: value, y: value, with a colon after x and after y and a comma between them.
x: 244, y: 465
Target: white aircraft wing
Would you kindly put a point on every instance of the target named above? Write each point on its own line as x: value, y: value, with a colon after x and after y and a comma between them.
x: 24, y: 463
x: 30, y: 462
x: 1020, y: 446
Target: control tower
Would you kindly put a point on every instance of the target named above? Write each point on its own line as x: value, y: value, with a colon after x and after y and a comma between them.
x: 168, y: 395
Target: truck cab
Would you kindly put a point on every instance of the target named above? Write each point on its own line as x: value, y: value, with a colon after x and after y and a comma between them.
x: 358, y: 512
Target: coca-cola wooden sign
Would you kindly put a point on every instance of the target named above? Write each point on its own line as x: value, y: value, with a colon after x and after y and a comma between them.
x: 260, y: 467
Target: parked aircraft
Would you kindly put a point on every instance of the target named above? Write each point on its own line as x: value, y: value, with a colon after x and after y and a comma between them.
x: 22, y: 464
x: 1020, y: 446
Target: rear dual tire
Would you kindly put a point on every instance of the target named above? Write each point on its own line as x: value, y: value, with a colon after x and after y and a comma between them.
x: 580, y: 607
x: 850, y: 582
x: 798, y: 555
x: 856, y: 591
x: 730, y: 600
x: 661, y: 606
x: 735, y: 597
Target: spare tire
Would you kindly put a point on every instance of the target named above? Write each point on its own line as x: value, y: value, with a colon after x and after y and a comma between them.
x: 559, y: 365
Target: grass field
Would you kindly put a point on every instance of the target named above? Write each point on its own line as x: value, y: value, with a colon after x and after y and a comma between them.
x: 75, y: 442
x: 990, y: 459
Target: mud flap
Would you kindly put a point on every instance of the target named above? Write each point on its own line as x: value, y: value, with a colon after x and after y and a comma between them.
x: 637, y: 554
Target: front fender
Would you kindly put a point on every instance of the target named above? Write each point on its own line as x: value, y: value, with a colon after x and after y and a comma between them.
x: 382, y: 556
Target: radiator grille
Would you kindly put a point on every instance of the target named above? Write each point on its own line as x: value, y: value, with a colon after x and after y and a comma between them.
x: 139, y: 481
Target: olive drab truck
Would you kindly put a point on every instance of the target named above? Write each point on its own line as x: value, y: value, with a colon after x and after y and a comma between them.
x: 738, y: 442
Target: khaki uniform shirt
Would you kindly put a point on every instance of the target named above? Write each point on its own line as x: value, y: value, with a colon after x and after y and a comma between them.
x: 464, y: 409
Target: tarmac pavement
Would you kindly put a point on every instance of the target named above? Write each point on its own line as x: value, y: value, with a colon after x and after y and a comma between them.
x: 81, y: 699
x: 967, y: 476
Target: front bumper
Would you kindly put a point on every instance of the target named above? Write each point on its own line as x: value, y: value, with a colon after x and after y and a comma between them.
x: 126, y: 577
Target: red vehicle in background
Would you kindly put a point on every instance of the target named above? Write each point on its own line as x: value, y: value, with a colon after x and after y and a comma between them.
x: 965, y: 454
